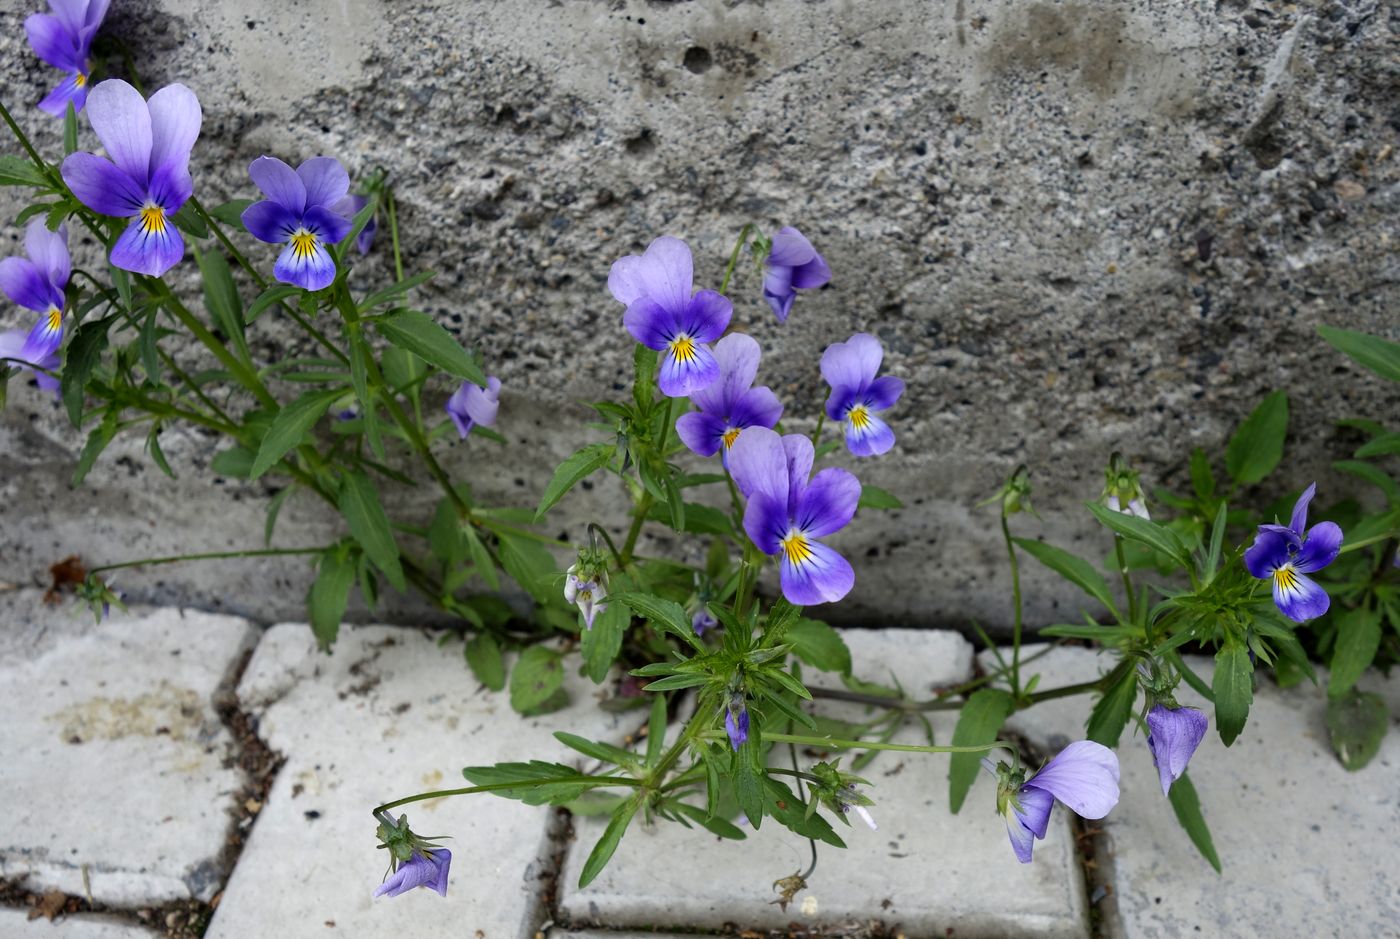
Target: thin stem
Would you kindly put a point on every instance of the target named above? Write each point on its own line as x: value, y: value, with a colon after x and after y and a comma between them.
x: 1016, y: 600
x: 598, y: 529
x: 734, y: 256
x: 389, y: 210
x: 23, y: 139
x: 592, y: 782
x: 209, y: 556
x: 817, y: 431
x: 1367, y: 542
x: 1127, y: 580
x: 836, y: 744
x: 639, y: 514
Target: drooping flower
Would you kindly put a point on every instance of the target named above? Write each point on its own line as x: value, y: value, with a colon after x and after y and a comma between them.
x: 63, y: 39
x: 472, y: 404
x: 426, y: 868
x: 787, y: 512
x: 736, y: 721
x: 365, y: 239
x: 1285, y: 554
x: 856, y: 394
x: 589, y: 592
x: 1174, y: 733
x: 1122, y: 486
x: 793, y: 265
x: 730, y: 404
x: 1084, y: 776
x: 147, y: 178
x: 665, y: 313
x: 37, y: 283
x: 304, y: 210
x: 702, y: 621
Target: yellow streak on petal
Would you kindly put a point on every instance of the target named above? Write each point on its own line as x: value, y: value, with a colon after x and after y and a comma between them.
x: 731, y: 435
x: 1286, y: 579
x: 79, y: 79
x: 859, y: 417
x: 152, y: 219
x: 683, y: 349
x: 55, y: 322
x: 795, y: 549
x: 303, y: 244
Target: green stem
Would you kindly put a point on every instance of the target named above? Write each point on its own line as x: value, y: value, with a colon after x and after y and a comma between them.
x: 24, y: 140
x: 389, y: 210
x: 639, y: 514
x: 817, y: 431
x: 1127, y: 581
x: 836, y: 744
x: 734, y: 256
x: 209, y: 556
x: 240, y: 371
x: 1367, y: 542
x: 1016, y: 600
x: 593, y: 782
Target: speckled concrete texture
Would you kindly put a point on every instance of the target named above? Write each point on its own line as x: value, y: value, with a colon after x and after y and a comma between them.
x: 1076, y: 227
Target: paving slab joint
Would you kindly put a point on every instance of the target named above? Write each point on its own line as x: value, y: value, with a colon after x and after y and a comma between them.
x: 1094, y: 846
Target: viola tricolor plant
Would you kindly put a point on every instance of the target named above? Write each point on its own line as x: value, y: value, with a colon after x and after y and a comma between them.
x: 37, y: 283
x: 306, y: 209
x: 63, y: 39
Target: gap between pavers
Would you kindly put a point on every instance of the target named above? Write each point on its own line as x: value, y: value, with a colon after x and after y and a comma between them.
x: 1307, y: 848
x: 112, y: 756
x: 389, y: 713
x: 925, y: 872
x: 16, y: 924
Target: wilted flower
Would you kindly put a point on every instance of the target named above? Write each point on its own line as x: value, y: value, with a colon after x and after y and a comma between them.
x: 856, y: 394
x: 702, y: 621
x: 1084, y: 776
x: 730, y: 404
x: 837, y: 791
x: 472, y: 404
x: 1122, y: 488
x: 37, y: 283
x: 787, y: 512
x: 736, y: 721
x: 365, y: 239
x: 304, y: 210
x: 414, y: 861
x: 147, y: 178
x: 665, y: 313
x: 1286, y: 553
x: 793, y: 264
x: 588, y: 589
x: 1174, y: 733
x: 1015, y: 494
x: 64, y: 40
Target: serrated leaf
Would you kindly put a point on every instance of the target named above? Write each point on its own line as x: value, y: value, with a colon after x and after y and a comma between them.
x: 979, y: 722
x: 484, y: 658
x: 291, y: 424
x: 579, y: 466
x: 1233, y: 688
x: 17, y: 171
x: 820, y: 646
x: 1072, y: 568
x: 328, y: 596
x: 612, y: 836
x: 604, y: 752
x: 539, y: 782
x: 1187, y: 807
x: 1379, y: 355
x: 1358, y: 639
x: 420, y: 334
x: 1155, y: 536
x: 535, y: 678
x: 1257, y: 445
x: 666, y: 614
x: 359, y: 503
x: 1357, y: 723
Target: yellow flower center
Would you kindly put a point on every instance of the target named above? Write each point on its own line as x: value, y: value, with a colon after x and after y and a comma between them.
x: 796, y: 551
x: 152, y: 219
x: 55, y: 319
x: 79, y: 79
x: 303, y: 244
x: 1285, y: 578
x: 683, y: 349
x: 859, y: 416
x: 731, y: 435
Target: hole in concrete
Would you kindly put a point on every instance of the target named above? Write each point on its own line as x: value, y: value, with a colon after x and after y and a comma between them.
x: 642, y: 144
x: 697, y: 59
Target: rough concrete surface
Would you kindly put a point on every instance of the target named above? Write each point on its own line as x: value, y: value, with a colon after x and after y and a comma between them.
x: 16, y: 924
x: 112, y: 757
x: 1075, y: 226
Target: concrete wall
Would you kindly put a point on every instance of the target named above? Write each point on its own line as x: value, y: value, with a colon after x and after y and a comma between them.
x: 1076, y: 226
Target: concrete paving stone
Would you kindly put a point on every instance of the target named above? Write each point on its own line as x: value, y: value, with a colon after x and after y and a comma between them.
x: 1295, y: 832
x: 112, y: 755
x: 16, y: 924
x: 562, y: 933
x: 925, y: 871
x: 387, y: 714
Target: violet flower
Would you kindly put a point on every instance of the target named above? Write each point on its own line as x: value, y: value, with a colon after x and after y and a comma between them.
x: 793, y: 264
x: 472, y: 404
x: 665, y: 313
x: 365, y: 239
x: 1286, y: 553
x: 1084, y: 776
x: 304, y: 210
x: 856, y: 394
x: 703, y: 621
x: 426, y: 868
x: 147, y: 178
x: 589, y: 594
x: 730, y: 404
x: 64, y: 40
x: 736, y: 721
x: 787, y: 512
x: 37, y: 283
x: 1174, y: 733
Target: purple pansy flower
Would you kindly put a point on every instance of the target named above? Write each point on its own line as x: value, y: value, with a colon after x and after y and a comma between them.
x: 1084, y: 776
x: 1285, y: 553
x: 703, y: 621
x: 589, y: 594
x: 731, y: 403
x: 787, y: 512
x: 736, y: 721
x: 793, y: 264
x: 426, y: 868
x: 1174, y: 733
x: 856, y: 394
x: 305, y: 210
x: 147, y: 178
x: 64, y: 40
x: 472, y: 404
x: 665, y: 313
x: 365, y: 240
x: 37, y: 283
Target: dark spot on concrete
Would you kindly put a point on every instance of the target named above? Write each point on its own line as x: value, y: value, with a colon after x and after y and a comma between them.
x: 697, y: 59
x: 642, y: 144
x: 1085, y: 39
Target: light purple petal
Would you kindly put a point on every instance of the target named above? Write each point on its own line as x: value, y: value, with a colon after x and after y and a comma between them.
x: 1320, y: 548
x: 144, y: 250
x: 680, y: 378
x: 759, y: 465
x: 1022, y: 839
x: 649, y: 323
x: 1268, y: 553
x: 103, y: 187
x: 757, y: 407
x: 331, y: 226
x: 738, y: 731
x: 325, y: 180
x: 820, y: 576
x: 41, y: 345
x: 71, y: 13
x: 312, y: 269
x: 56, y: 101
x: 799, y: 454
x: 852, y: 363
x: 1034, y: 809
x: 23, y: 284
x: 737, y: 355
x: 828, y: 504
x: 122, y: 121
x: 790, y: 248
x: 269, y: 221
x: 49, y: 251
x: 479, y: 405
x: 777, y: 290
x: 280, y: 183
x: 1084, y: 776
x: 96, y: 13
x: 873, y: 438
x: 706, y: 316
x: 1299, y: 598
x: 1174, y: 734
x: 664, y: 273
x: 884, y: 392
x: 815, y: 273
x: 53, y: 42
x: 419, y: 871
x: 175, y: 121
x: 1299, y: 522
x: 766, y: 518
x: 703, y: 433
x: 841, y: 400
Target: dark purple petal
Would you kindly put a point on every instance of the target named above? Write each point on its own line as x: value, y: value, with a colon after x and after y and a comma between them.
x: 790, y: 249
x: 1320, y: 548
x: 269, y: 221
x: 649, y: 323
x: 798, y: 454
x: 766, y: 518
x: 759, y: 465
x: 53, y: 42
x: 171, y: 185
x: 175, y: 121
x: 703, y: 433
x: 871, y: 438
x: 325, y: 180
x: 852, y: 363
x: 1298, y: 597
x: 815, y: 273
x: 1033, y: 809
x: 49, y: 251
x: 884, y: 392
x: 777, y: 290
x: 148, y: 246
x: 122, y: 122
x: 757, y: 407
x: 69, y: 90
x: 828, y: 504
x: 815, y: 574
x: 664, y: 273
x: 23, y: 284
x: 1174, y: 734
x: 71, y: 13
x: 1268, y: 553
x: 1299, y: 522
x: 706, y: 316
x: 280, y: 182
x: 1084, y: 776
x: 738, y: 731
x: 841, y: 400
x: 686, y: 369
x: 320, y: 220
x: 305, y: 263
x: 96, y: 13
x: 737, y: 355
x: 441, y: 859
x: 102, y: 186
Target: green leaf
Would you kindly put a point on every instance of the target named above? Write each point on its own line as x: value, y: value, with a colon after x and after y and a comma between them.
x: 420, y: 334
x: 17, y: 171
x: 1187, y: 807
x: 979, y: 722
x: 1217, y: 540
x: 189, y: 222
x: 715, y: 825
x: 1155, y: 536
x: 236, y: 462
x: 1202, y: 479
x: 644, y: 376
x: 221, y: 298
x: 80, y: 357
x: 360, y: 356
x: 394, y: 291
x: 604, y: 752
x: 820, y: 646
x: 601, y: 644
x: 666, y: 614
x: 274, y: 508
x: 612, y: 835
x: 788, y: 810
x: 157, y: 454
x: 483, y: 657
x: 1074, y: 569
x: 1357, y: 723
x: 149, y: 343
x: 656, y: 730
x: 70, y: 130
x: 272, y: 295
x: 1113, y: 710
x: 1257, y: 445
x: 540, y: 782
x: 359, y: 503
x: 1373, y: 475
x: 1233, y: 688
x: 481, y: 559
x: 97, y: 441
x: 873, y: 497
x: 699, y: 519
x: 1384, y: 445
x: 1379, y: 355
x: 531, y: 565
x: 357, y: 225
x: 328, y: 596
x: 1358, y: 639
x: 231, y: 212
x: 289, y: 427
x: 535, y: 678
x: 578, y: 467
